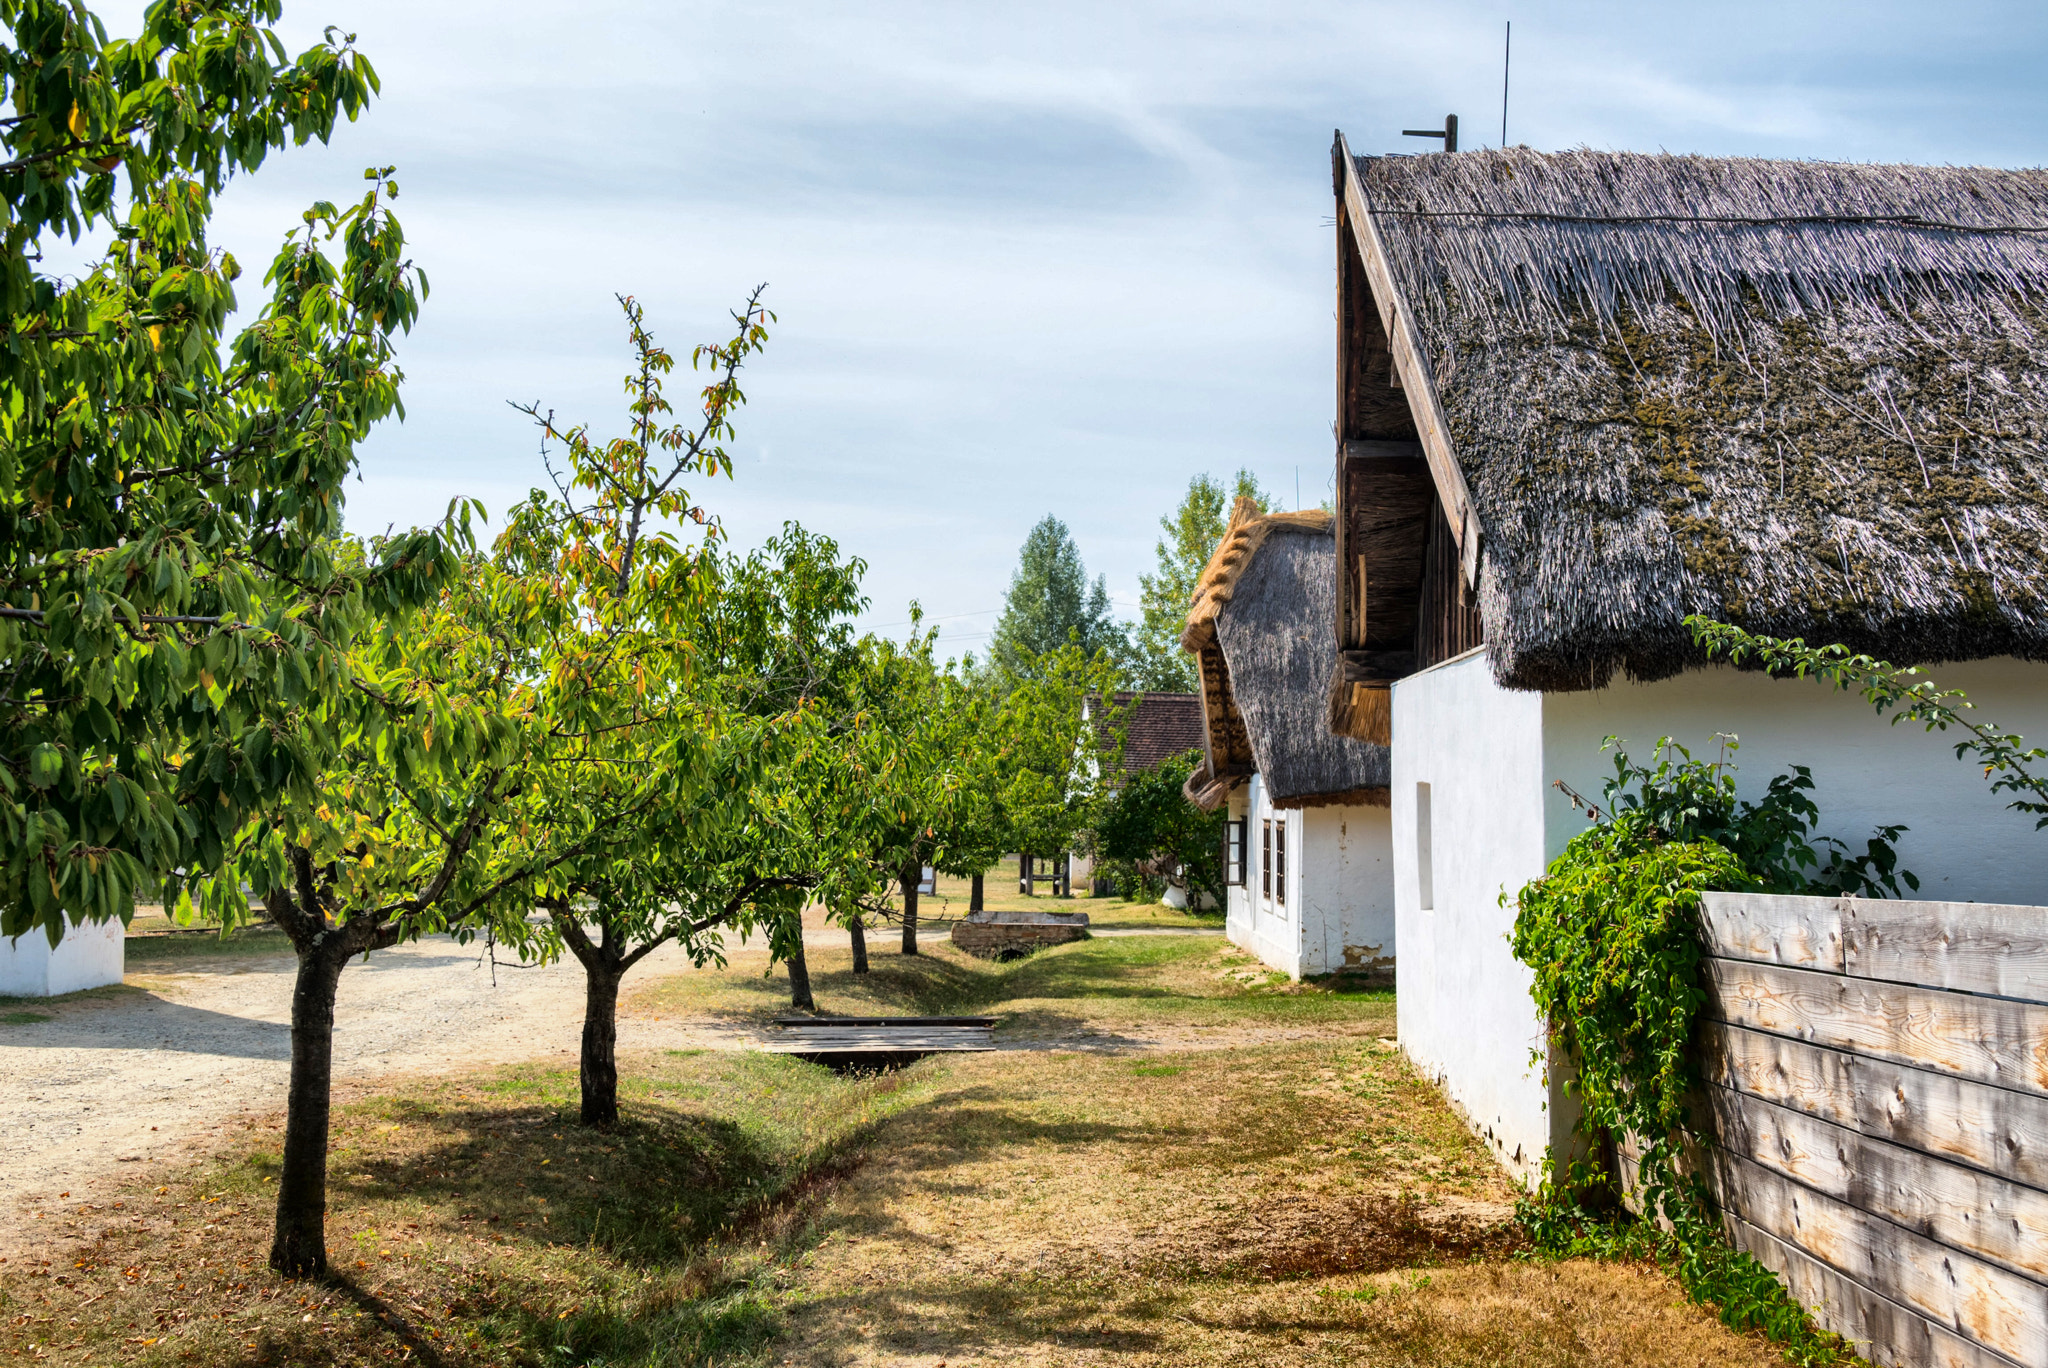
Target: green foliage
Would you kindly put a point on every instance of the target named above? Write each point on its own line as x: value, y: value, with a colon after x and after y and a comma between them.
x: 1905, y: 693
x: 1192, y: 532
x: 176, y: 619
x: 1612, y: 935
x: 1678, y: 798
x: 1051, y: 602
x: 1149, y: 824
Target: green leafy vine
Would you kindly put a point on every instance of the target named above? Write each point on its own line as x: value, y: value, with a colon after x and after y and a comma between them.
x: 1612, y: 933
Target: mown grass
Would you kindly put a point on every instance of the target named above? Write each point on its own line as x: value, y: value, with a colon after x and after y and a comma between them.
x: 1291, y: 1197
x: 1000, y: 894
x: 1107, y: 985
x: 473, y: 1223
x: 1308, y: 1202
x: 156, y: 944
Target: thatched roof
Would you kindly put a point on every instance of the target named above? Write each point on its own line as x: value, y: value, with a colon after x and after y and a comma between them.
x: 1808, y: 398
x: 1259, y: 628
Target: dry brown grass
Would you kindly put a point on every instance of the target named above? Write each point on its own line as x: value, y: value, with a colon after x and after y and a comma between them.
x: 1310, y: 1203
x: 1290, y: 1193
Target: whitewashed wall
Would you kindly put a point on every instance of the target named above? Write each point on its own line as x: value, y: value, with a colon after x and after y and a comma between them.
x: 1463, y: 1006
x: 1339, y: 909
x: 1963, y: 843
x: 1269, y: 927
x: 89, y: 956
x: 1347, y: 889
x: 1490, y: 757
x: 1237, y: 902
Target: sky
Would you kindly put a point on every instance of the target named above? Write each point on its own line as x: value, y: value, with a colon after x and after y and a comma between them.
x: 1025, y: 259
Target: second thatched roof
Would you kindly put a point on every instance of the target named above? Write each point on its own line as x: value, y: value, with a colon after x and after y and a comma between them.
x: 1259, y: 629
x: 1805, y: 397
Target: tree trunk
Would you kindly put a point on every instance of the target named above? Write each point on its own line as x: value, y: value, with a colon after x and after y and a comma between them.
x: 974, y: 895
x: 799, y: 973
x: 911, y: 875
x: 298, y: 1248
x: 600, y: 1068
x: 859, y: 931
x: 1027, y: 877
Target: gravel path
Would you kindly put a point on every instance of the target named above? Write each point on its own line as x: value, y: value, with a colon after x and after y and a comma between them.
x: 158, y: 1076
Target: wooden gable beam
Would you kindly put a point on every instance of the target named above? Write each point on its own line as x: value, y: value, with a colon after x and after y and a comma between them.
x: 1413, y: 369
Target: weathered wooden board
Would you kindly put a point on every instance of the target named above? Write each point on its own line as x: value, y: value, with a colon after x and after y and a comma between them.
x: 1967, y: 947
x: 840, y: 1023
x: 1993, y: 1218
x: 1413, y: 368
x: 1882, y: 1330
x: 1983, y: 1303
x: 1991, y: 1128
x: 1992, y: 1040
x: 923, y: 1040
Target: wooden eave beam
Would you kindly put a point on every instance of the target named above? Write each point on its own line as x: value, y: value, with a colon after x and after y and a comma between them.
x: 1413, y: 370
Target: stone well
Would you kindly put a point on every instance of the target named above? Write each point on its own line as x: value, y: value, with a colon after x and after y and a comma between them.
x: 1007, y: 935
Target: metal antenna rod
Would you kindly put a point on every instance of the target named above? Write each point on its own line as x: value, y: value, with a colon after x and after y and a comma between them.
x: 1507, y: 52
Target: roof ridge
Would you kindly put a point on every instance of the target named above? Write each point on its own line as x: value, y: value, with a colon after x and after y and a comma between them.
x: 1247, y: 531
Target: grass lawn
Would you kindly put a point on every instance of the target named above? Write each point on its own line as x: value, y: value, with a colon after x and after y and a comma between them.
x: 156, y: 944
x: 1105, y: 986
x: 999, y: 894
x: 1303, y: 1200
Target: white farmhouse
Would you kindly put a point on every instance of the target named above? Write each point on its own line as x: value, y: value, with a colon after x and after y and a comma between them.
x: 1308, y: 867
x: 1583, y: 395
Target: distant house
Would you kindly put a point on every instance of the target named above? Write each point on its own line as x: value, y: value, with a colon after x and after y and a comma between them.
x: 1309, y: 865
x: 1582, y: 395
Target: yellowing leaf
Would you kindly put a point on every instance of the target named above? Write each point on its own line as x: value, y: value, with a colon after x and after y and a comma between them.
x: 77, y: 122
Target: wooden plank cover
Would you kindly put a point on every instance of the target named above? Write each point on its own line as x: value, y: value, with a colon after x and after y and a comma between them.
x: 1969, y: 947
x: 1882, y: 1330
x: 1992, y: 1040
x: 1995, y: 1219
x: 1979, y: 1301
x: 1990, y: 1128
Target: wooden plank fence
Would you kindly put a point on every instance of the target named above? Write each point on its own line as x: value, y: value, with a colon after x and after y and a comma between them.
x: 1878, y: 1090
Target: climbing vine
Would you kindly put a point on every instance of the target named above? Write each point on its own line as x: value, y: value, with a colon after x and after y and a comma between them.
x: 1612, y: 933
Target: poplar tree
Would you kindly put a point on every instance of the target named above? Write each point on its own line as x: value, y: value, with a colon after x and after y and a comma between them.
x: 1192, y: 532
x: 1051, y: 602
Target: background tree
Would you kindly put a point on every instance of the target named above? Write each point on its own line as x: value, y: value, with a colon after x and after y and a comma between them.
x: 1050, y: 602
x: 1192, y: 532
x: 1148, y: 826
x: 167, y: 581
x: 1062, y: 746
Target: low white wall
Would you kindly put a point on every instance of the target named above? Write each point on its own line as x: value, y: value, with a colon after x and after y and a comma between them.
x: 89, y: 956
x: 1463, y: 1006
x: 1963, y: 842
x: 1347, y: 889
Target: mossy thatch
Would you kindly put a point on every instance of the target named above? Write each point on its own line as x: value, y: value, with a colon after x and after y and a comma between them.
x: 1804, y: 397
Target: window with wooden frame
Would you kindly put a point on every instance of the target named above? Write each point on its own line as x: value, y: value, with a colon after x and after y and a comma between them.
x: 1234, y: 838
x: 1280, y: 861
x: 1266, y: 858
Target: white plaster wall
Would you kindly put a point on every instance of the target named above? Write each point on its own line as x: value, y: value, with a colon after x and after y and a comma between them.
x: 1269, y: 927
x: 1965, y: 845
x: 1463, y: 1006
x: 89, y: 956
x: 1237, y: 898
x: 1347, y: 889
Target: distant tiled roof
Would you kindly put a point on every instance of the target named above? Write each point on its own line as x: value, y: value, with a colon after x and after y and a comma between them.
x: 1162, y: 726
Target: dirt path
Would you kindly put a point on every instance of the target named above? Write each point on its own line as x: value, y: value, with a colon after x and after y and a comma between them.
x: 158, y: 1074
